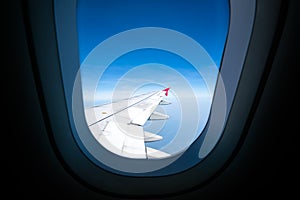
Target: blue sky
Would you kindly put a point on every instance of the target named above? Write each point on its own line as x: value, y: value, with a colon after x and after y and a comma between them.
x: 205, y: 21
x: 98, y: 20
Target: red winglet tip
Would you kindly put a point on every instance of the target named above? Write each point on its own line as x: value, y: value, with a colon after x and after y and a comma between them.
x: 167, y: 91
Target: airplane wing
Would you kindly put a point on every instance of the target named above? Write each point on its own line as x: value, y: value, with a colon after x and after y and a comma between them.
x: 117, y: 126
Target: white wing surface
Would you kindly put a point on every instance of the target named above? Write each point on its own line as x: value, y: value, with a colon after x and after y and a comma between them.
x: 118, y: 126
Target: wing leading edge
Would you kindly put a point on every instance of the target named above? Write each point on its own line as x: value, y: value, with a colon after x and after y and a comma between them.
x: 118, y: 126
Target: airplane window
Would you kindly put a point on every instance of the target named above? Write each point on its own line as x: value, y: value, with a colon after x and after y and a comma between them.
x: 142, y: 97
x: 129, y: 53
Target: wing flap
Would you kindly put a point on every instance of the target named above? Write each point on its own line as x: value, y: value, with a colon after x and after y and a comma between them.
x: 124, y: 139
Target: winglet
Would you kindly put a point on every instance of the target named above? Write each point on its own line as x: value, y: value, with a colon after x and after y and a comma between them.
x: 166, y: 90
